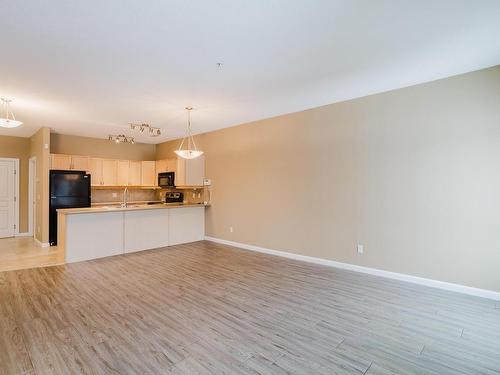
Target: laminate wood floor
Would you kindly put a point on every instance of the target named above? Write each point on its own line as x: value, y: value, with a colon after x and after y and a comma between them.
x: 204, y: 308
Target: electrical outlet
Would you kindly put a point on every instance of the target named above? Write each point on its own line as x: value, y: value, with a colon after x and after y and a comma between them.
x: 231, y: 229
x: 360, y: 249
x: 114, y: 195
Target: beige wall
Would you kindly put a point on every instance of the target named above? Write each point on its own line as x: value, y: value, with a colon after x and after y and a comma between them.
x: 19, y: 148
x: 101, y: 148
x: 412, y: 174
x: 39, y: 148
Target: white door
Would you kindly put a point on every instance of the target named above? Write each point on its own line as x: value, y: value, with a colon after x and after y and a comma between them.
x: 7, y: 198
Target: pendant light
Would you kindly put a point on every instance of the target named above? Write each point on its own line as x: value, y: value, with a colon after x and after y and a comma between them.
x: 9, y: 121
x: 191, y: 152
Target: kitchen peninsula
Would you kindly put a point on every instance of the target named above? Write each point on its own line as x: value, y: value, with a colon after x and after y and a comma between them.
x: 96, y: 232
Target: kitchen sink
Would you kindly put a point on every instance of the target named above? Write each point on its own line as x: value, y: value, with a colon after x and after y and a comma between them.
x: 119, y: 206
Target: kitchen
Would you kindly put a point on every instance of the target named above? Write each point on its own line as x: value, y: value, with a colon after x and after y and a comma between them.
x: 130, y: 205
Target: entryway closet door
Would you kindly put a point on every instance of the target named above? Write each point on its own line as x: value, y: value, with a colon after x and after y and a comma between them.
x: 7, y: 198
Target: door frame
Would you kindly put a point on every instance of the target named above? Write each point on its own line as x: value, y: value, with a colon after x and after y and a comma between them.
x: 16, y: 192
x: 32, y: 196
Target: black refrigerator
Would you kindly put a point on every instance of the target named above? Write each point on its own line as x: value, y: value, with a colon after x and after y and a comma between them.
x: 68, y: 189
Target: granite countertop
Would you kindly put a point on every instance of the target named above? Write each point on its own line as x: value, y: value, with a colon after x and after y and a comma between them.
x: 130, y: 207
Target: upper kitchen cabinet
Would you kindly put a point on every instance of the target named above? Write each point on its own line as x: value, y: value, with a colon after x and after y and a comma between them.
x: 135, y: 172
x: 103, y: 172
x: 161, y: 166
x: 148, y: 173
x: 58, y: 161
x: 190, y: 172
x: 171, y: 165
x: 80, y: 163
x: 95, y: 172
x: 166, y: 165
x: 109, y: 172
x: 123, y: 173
x: 113, y: 173
x: 69, y: 162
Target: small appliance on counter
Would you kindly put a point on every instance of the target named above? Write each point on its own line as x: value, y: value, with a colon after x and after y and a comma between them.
x: 175, y: 197
x: 166, y: 179
x: 68, y: 189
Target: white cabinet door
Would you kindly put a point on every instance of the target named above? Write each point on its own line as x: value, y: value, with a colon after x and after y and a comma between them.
x: 148, y: 175
x: 59, y: 161
x: 186, y: 224
x: 135, y: 173
x: 95, y: 171
x: 161, y: 166
x: 109, y: 172
x: 123, y: 172
x: 190, y: 172
x: 171, y: 165
x: 146, y: 229
x: 80, y: 163
x: 7, y: 193
x: 93, y: 235
x: 195, y: 171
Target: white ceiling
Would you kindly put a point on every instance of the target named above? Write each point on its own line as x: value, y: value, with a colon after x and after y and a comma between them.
x: 91, y: 67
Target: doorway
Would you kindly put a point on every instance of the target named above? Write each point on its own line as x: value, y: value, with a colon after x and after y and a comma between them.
x: 9, y: 193
x: 32, y: 196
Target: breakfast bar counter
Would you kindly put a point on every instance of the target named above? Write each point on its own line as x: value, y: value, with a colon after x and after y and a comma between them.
x: 96, y: 232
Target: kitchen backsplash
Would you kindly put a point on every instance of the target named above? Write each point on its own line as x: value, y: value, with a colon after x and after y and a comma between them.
x: 116, y: 195
x: 100, y: 196
x: 190, y: 196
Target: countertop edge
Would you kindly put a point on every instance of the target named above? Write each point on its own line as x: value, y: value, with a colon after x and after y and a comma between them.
x: 91, y: 210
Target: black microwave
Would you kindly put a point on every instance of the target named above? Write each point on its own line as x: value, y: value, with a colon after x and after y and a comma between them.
x: 166, y: 179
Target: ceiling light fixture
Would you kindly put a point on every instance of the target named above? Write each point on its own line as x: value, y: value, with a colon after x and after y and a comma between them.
x: 189, y: 153
x: 9, y: 121
x: 151, y: 130
x: 121, y: 138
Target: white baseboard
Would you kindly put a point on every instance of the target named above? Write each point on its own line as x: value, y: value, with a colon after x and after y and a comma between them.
x: 24, y: 234
x: 42, y: 244
x: 372, y: 271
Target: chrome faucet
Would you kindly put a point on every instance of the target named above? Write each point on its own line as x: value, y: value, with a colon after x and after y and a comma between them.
x: 125, y: 197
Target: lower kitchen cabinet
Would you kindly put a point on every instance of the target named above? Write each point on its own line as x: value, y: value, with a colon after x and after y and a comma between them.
x: 186, y: 225
x: 145, y: 230
x: 95, y: 234
x: 91, y: 236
